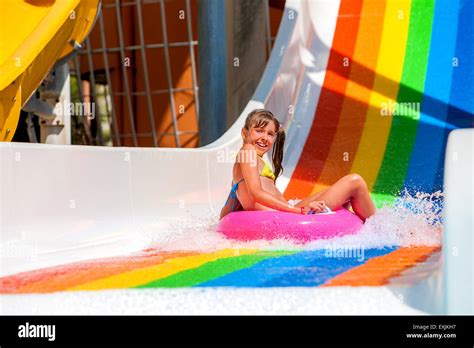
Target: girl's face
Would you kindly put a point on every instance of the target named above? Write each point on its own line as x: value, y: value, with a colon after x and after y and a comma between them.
x: 261, y: 137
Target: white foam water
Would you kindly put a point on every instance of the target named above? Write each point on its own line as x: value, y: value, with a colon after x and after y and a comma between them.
x: 413, y: 220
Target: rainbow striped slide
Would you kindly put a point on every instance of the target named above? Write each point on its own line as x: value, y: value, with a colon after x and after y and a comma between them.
x: 228, y: 268
x: 398, y: 79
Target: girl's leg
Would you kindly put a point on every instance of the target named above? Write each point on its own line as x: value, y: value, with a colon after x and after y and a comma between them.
x: 349, y: 189
x: 316, y: 196
x: 309, y: 199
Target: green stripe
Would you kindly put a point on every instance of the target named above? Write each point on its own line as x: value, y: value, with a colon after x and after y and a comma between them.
x: 381, y: 199
x: 403, y: 131
x: 212, y: 270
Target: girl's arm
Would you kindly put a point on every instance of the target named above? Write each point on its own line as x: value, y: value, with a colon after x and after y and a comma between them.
x: 280, y: 196
x: 248, y: 165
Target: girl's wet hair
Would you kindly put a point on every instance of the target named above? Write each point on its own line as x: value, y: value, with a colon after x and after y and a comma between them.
x: 260, y: 118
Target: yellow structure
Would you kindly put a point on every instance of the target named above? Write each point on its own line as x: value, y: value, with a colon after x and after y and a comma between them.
x: 34, y: 34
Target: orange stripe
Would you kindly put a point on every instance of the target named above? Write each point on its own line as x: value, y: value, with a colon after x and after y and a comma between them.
x: 356, y: 102
x: 64, y: 276
x: 379, y: 270
x: 324, y: 125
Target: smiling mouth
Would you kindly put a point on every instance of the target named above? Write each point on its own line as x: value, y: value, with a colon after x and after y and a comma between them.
x: 261, y: 145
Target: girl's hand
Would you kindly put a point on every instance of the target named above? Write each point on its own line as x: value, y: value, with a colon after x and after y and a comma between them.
x: 303, y: 210
x: 318, y: 206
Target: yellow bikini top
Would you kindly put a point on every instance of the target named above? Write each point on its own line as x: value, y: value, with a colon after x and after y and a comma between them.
x: 267, y: 171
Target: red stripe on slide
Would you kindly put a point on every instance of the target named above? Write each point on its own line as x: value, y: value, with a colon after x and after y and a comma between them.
x: 324, y: 126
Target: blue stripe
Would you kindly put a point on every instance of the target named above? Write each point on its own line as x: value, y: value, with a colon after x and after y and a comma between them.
x: 461, y: 104
x: 308, y: 268
x: 430, y: 143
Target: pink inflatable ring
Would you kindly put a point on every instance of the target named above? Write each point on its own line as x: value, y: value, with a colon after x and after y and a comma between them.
x: 255, y: 225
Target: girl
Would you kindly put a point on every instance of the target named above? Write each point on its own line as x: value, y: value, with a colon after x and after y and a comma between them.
x: 253, y: 185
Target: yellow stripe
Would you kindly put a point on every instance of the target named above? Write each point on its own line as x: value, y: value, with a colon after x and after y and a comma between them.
x: 148, y: 274
x: 388, y: 73
x: 365, y: 55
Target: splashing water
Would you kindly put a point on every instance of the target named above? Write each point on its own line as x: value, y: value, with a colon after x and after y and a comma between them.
x: 413, y: 220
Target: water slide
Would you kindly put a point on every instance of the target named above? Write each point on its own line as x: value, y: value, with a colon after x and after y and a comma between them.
x: 36, y: 35
x: 370, y: 87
